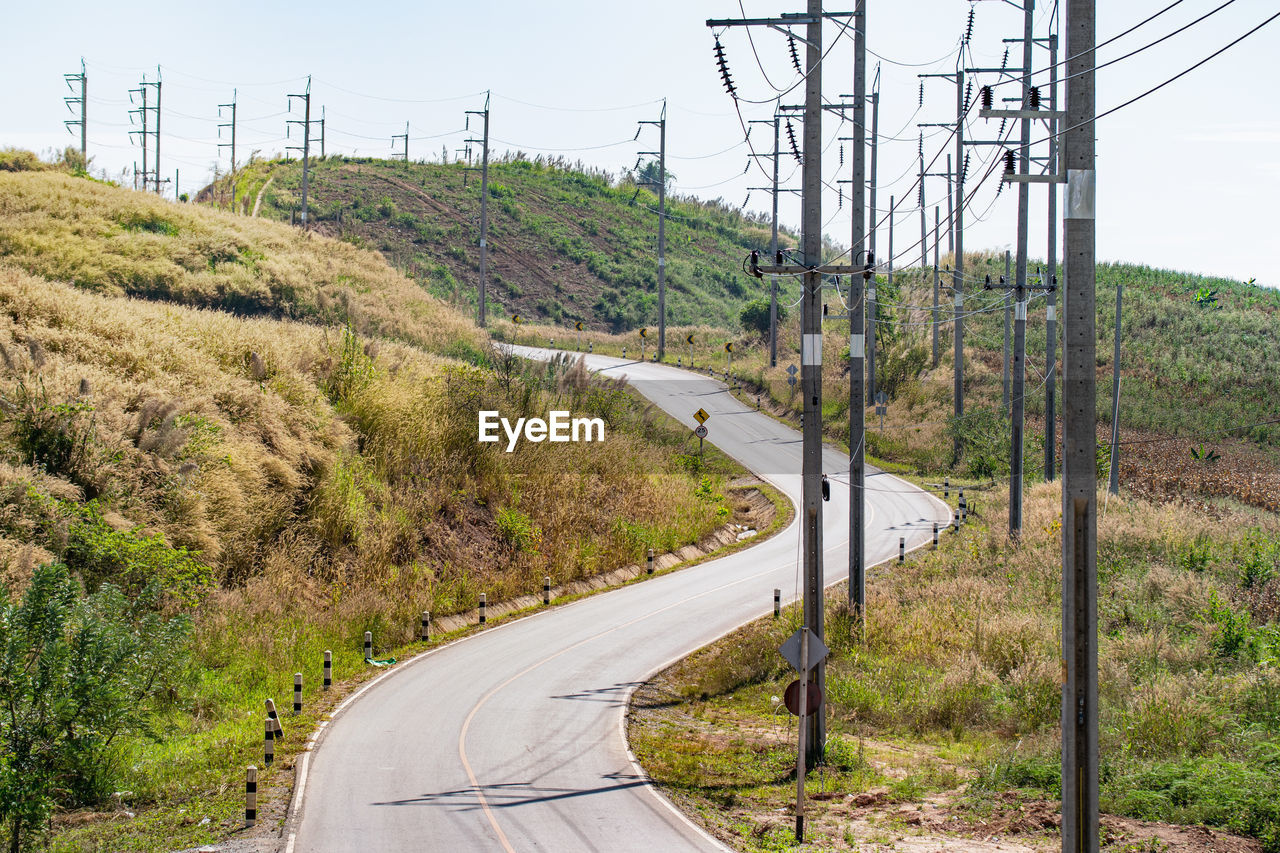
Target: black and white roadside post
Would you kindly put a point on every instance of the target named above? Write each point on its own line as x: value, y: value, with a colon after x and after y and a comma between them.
x: 297, y: 693
x: 368, y: 645
x: 424, y: 630
x: 328, y: 669
x: 546, y: 590
x: 250, y: 796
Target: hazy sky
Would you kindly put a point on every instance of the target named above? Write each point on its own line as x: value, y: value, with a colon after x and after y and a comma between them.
x: 1187, y: 177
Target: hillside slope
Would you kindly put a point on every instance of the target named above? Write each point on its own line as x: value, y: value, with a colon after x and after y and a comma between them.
x: 276, y: 432
x: 564, y: 244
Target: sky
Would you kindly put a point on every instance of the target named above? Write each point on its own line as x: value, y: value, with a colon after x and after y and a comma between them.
x: 1187, y: 176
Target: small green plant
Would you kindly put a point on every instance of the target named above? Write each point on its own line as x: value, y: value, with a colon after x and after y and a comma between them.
x: 1206, y: 298
x: 1231, y: 634
x: 1207, y: 456
x: 518, y: 530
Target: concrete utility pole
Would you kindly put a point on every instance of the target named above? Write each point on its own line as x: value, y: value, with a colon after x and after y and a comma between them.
x: 403, y: 155
x: 811, y: 361
x: 1079, y: 485
x: 957, y: 279
x: 1007, y: 279
x: 924, y: 227
x: 141, y: 112
x: 1051, y: 323
x: 776, y: 121
x: 156, y: 168
x: 873, y: 224
x: 951, y: 217
x: 955, y: 204
x: 773, y: 250
x: 937, y: 239
x: 305, y: 148
x: 857, y: 324
x: 83, y: 100
x: 232, y: 144
x: 661, y: 154
x: 1113, y: 485
x: 1020, y: 333
x: 812, y: 271
x: 892, y: 204
x: 484, y: 202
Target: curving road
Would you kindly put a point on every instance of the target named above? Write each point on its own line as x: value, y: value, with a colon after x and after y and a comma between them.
x: 512, y: 739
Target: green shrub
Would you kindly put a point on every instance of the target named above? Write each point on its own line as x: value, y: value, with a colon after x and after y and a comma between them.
x: 100, y: 554
x: 518, y: 530
x: 754, y: 316
x: 75, y: 675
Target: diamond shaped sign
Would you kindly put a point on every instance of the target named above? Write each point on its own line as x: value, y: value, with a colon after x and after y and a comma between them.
x: 701, y: 416
x: 791, y: 650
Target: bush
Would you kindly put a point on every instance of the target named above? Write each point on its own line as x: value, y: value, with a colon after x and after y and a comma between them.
x: 102, y: 554
x: 755, y: 316
x: 57, y: 437
x: 75, y: 675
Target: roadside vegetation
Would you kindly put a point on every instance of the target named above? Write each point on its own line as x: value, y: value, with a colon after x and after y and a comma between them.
x: 943, y: 722
x: 226, y: 446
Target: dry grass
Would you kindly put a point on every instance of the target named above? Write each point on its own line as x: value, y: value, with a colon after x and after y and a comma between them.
x: 114, y: 242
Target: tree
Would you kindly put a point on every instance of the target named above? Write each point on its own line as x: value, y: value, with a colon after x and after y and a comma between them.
x: 75, y: 674
x: 650, y: 175
x: 755, y: 316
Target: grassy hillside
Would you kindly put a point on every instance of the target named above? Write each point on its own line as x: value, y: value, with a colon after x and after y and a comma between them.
x: 266, y: 441
x: 565, y: 244
x: 1195, y: 375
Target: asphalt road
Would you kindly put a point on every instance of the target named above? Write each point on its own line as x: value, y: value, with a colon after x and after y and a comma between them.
x: 512, y: 739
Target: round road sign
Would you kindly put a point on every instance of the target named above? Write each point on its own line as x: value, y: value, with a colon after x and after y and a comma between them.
x: 700, y: 431
x: 791, y: 698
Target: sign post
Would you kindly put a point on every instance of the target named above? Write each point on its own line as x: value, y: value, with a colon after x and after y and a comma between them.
x: 644, y: 336
x: 578, y: 326
x: 882, y: 407
x: 689, y: 339
x: 728, y: 359
x: 700, y: 431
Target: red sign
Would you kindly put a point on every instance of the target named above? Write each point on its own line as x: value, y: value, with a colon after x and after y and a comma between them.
x: 791, y: 698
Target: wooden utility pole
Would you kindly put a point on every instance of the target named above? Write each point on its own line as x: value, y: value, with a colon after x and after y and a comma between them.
x: 484, y: 203
x: 1079, y: 485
